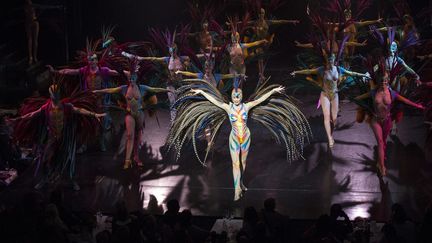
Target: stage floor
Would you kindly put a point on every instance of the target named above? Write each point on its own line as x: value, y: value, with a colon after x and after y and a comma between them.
x: 303, y: 189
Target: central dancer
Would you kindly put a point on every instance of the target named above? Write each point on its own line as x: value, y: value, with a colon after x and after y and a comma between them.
x: 201, y: 105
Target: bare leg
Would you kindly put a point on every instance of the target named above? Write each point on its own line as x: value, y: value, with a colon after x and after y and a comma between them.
x: 244, y: 153
x: 261, y: 77
x: 379, y: 136
x: 234, y: 71
x: 29, y: 45
x: 138, y: 139
x: 334, y: 111
x: 325, y: 106
x: 261, y: 69
x: 130, y: 136
x: 234, y: 146
x: 46, y: 163
x: 35, y: 35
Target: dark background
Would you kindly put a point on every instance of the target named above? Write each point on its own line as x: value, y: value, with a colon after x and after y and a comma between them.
x: 82, y: 19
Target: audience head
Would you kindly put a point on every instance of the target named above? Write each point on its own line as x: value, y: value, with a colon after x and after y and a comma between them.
x: 153, y: 206
x: 173, y: 206
x: 335, y: 210
x: 186, y: 218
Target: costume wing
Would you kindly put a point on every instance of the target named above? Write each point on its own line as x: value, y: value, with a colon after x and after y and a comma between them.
x: 86, y: 126
x: 31, y: 130
x: 283, y: 119
x: 194, y: 115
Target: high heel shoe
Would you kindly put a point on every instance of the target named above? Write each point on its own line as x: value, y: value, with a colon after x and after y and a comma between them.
x: 381, y: 170
x: 238, y: 195
x: 243, y: 187
x: 127, y: 164
x: 331, y: 143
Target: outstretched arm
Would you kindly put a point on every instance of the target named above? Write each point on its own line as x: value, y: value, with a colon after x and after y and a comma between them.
x: 85, y: 112
x: 66, y: 71
x: 108, y: 90
x: 409, y: 102
x: 283, y: 21
x: 410, y: 70
x: 305, y: 72
x: 355, y: 74
x: 382, y: 29
x: 140, y: 58
x: 368, y: 22
x: 210, y: 98
x: 362, y: 97
x: 353, y: 43
x: 228, y: 76
x: 131, y: 56
x: 188, y: 74
x: 264, y: 97
x: 424, y: 57
x: 303, y: 45
x: 250, y: 22
x: 157, y: 90
x: 28, y: 115
x: 112, y: 72
x: 255, y: 43
x: 232, y: 75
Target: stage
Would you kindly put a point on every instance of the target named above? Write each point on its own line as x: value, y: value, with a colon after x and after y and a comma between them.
x: 303, y: 189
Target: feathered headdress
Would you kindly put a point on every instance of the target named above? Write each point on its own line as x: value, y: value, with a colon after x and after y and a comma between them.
x: 238, y: 27
x: 204, y: 12
x: 90, y: 52
x: 343, y: 8
x: 163, y: 39
x: 325, y: 41
x: 166, y: 40
x: 376, y: 67
x: 410, y: 38
x: 255, y: 6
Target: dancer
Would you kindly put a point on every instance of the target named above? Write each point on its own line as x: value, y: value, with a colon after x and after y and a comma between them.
x: 380, y: 116
x: 32, y: 31
x: 173, y: 62
x: 134, y: 118
x: 202, y: 16
x: 32, y: 28
x: 57, y: 125
x: 350, y: 23
x: 261, y: 28
x: 392, y: 59
x: 200, y: 104
x: 208, y: 74
x: 236, y: 50
x: 330, y: 74
x: 204, y: 38
x: 215, y: 79
x: 94, y: 76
